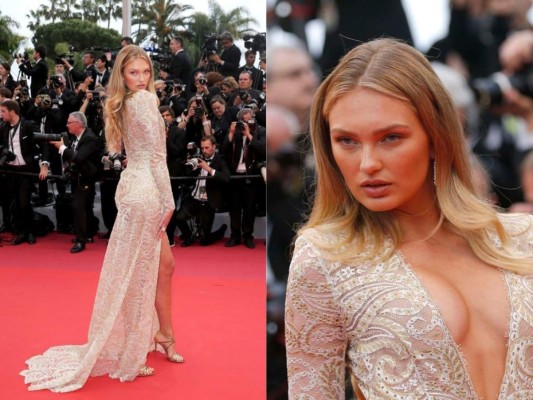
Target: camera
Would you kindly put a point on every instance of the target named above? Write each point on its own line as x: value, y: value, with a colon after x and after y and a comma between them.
x: 193, y: 156
x: 50, y: 137
x: 210, y: 45
x: 202, y: 80
x: 489, y: 91
x: 116, y: 161
x: 6, y: 156
x: 24, y: 91
x: 169, y: 87
x: 55, y: 81
x: 244, y: 95
x: 256, y: 43
x: 25, y: 57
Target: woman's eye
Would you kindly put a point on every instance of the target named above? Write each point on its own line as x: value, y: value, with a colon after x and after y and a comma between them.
x: 391, y: 137
x: 345, y: 141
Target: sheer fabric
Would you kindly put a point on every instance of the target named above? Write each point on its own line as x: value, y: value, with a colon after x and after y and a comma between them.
x: 124, y: 321
x: 378, y: 320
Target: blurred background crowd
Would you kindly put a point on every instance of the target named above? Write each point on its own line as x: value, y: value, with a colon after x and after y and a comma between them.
x: 484, y: 58
x: 210, y: 78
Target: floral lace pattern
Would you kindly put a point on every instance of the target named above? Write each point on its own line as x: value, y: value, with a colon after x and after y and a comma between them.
x: 124, y: 321
x: 378, y: 320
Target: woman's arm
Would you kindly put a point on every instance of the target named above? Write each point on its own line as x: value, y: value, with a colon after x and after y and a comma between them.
x: 314, y: 329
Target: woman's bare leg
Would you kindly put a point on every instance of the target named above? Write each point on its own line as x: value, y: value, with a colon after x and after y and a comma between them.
x: 163, y: 295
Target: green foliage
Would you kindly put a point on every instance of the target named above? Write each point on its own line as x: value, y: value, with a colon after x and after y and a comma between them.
x: 80, y: 34
x: 9, y: 41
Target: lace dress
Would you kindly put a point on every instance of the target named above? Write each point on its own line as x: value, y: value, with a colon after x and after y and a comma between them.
x: 124, y: 321
x: 378, y: 320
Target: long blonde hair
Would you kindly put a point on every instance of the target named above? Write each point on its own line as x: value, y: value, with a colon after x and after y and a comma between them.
x: 115, y: 112
x: 398, y: 70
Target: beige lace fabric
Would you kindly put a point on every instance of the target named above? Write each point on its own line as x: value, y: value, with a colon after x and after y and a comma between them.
x: 378, y: 320
x: 124, y: 320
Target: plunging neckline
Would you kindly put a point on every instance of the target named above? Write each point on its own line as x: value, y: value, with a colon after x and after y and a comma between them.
x: 457, y: 348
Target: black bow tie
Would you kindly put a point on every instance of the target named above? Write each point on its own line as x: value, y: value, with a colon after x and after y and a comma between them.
x: 99, y: 74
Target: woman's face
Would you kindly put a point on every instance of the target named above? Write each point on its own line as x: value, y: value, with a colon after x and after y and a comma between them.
x: 3, y: 71
x: 382, y: 151
x: 137, y: 74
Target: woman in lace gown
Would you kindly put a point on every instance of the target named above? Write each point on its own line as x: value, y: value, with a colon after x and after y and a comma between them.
x: 131, y: 312
x: 402, y: 275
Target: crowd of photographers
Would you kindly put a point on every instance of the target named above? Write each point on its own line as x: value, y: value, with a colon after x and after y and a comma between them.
x: 52, y: 141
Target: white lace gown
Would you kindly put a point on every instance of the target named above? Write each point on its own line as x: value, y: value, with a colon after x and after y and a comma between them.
x: 124, y: 320
x: 379, y: 321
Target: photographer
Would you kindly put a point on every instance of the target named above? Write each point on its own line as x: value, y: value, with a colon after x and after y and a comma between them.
x: 221, y: 119
x: 81, y: 159
x: 6, y: 80
x: 194, y: 120
x: 38, y: 72
x: 245, y: 151
x: 178, y: 100
x: 88, y: 72
x: 21, y: 95
x: 17, y: 156
x: 102, y: 72
x: 180, y: 65
x: 228, y: 61
x: 256, y: 73
x: 176, y: 155
x: 206, y: 196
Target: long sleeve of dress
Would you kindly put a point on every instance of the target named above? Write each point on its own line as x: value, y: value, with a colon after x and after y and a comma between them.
x: 146, y: 116
x: 315, y: 336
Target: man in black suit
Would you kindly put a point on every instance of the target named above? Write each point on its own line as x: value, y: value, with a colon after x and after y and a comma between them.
x: 102, y: 72
x: 17, y: 136
x: 180, y: 66
x: 88, y: 72
x: 228, y: 62
x: 206, y: 196
x: 245, y: 150
x: 81, y: 160
x: 38, y: 72
x: 257, y: 74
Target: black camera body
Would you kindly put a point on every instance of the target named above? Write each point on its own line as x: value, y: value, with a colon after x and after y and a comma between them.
x: 193, y: 156
x: 256, y: 43
x: 210, y: 44
x: 489, y: 91
x: 6, y: 156
x: 116, y: 162
x: 56, y: 82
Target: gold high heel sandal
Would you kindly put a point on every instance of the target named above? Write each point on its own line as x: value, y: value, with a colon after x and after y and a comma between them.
x: 146, y: 371
x: 177, y: 358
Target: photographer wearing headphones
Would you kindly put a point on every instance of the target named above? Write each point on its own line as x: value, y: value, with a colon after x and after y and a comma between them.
x: 81, y: 159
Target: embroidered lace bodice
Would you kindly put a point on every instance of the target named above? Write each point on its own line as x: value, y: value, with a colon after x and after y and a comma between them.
x: 124, y: 320
x: 379, y: 321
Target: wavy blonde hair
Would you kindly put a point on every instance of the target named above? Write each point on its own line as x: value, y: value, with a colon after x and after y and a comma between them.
x: 400, y: 71
x: 115, y: 112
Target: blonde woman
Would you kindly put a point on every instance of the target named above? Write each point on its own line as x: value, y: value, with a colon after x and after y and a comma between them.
x: 138, y: 264
x: 402, y: 275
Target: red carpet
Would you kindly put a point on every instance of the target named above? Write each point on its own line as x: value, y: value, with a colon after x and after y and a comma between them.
x: 46, y: 299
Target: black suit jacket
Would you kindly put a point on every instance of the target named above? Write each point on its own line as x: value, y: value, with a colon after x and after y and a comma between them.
x: 257, y: 76
x: 86, y: 156
x: 38, y: 74
x: 216, y: 185
x: 232, y: 58
x: 26, y: 141
x: 80, y: 76
x: 180, y: 67
x: 254, y: 155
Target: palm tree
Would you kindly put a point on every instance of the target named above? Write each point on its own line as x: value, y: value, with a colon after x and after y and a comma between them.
x: 236, y: 21
x: 9, y: 41
x: 36, y: 16
x: 159, y: 20
x: 49, y: 12
x: 111, y: 9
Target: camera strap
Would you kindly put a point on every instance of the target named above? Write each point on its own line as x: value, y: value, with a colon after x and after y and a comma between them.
x: 12, y: 135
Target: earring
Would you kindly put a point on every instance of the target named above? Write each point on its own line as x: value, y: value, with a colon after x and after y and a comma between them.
x: 434, y: 172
